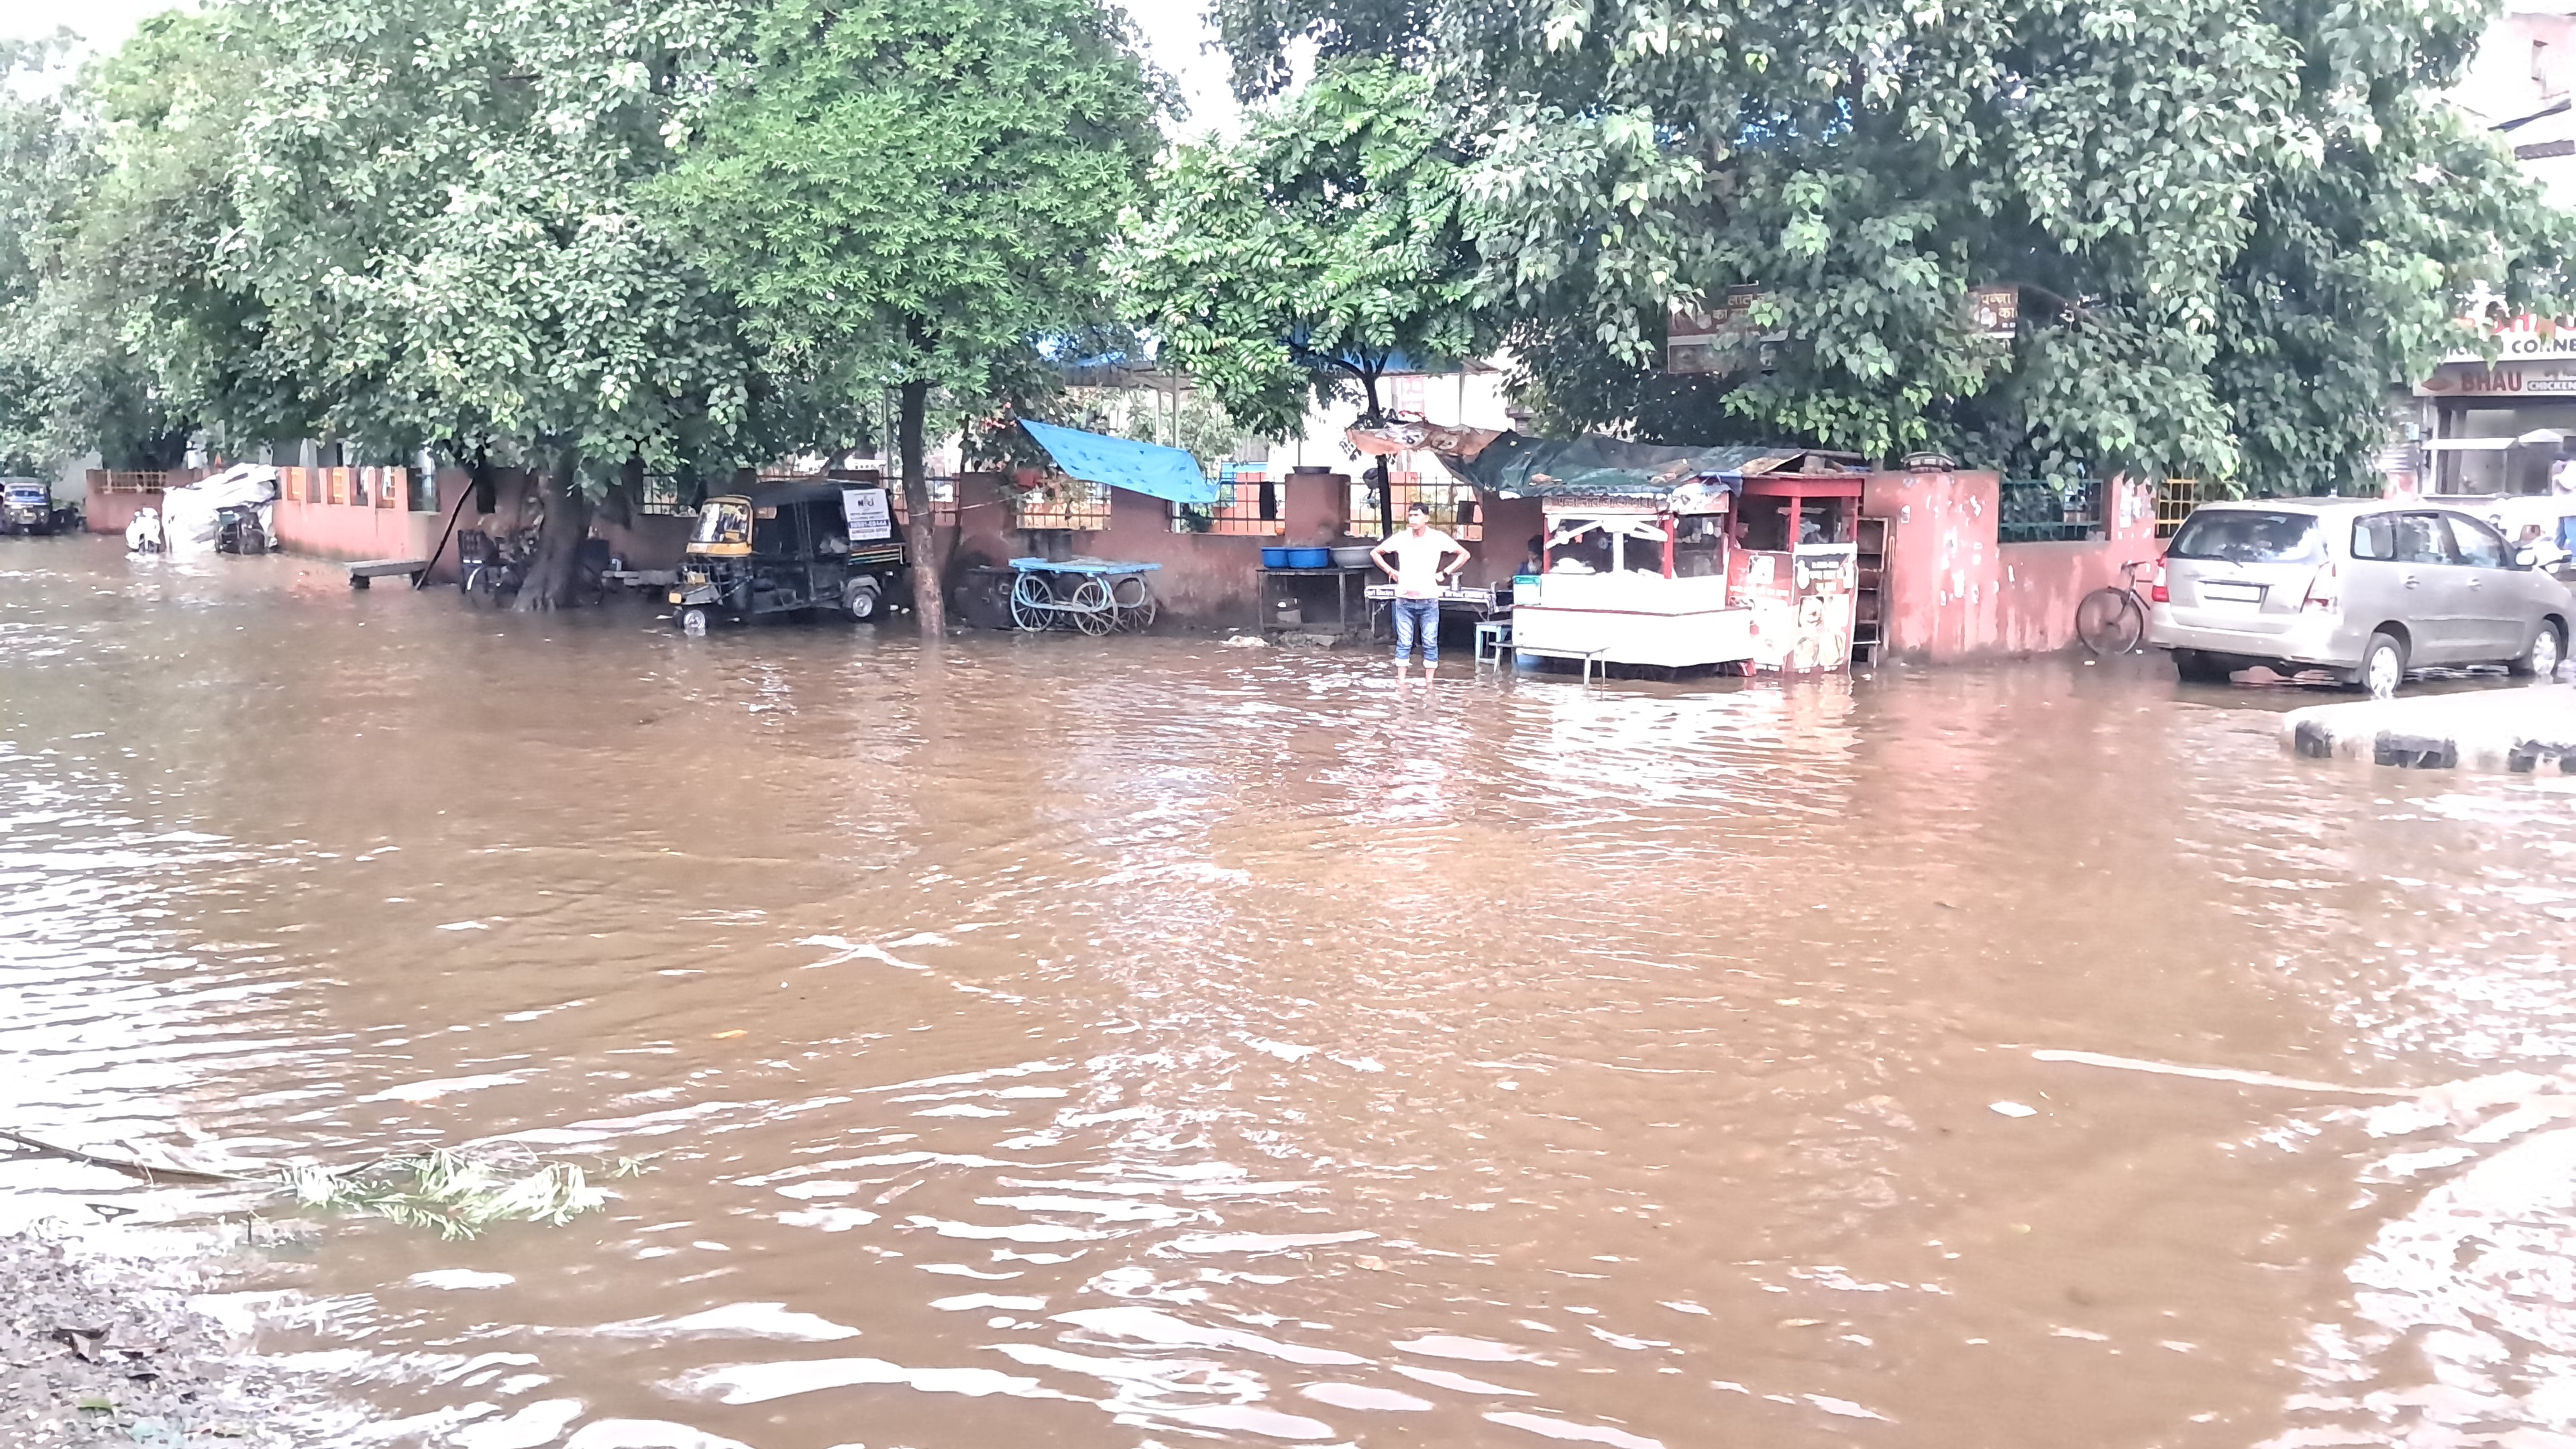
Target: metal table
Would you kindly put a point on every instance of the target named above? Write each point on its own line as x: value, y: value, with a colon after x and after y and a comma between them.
x: 1302, y: 586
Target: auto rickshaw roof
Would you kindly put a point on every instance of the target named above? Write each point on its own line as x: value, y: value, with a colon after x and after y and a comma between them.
x: 771, y: 492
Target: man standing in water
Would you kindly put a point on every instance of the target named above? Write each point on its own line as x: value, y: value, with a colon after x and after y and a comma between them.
x: 1417, y: 559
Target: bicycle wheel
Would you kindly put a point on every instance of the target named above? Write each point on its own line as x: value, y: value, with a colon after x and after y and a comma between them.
x: 2110, y: 621
x: 481, y: 586
x: 1093, y: 613
x: 1030, y: 597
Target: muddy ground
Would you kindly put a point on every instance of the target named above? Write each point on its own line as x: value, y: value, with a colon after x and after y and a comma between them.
x: 100, y: 1348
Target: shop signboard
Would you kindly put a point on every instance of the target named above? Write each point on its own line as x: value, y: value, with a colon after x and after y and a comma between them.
x: 2505, y: 380
x: 2526, y: 338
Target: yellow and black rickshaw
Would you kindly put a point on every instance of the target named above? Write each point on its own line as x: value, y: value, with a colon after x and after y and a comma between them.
x: 790, y: 545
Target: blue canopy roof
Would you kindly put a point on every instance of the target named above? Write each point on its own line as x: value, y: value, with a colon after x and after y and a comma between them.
x: 1123, y: 463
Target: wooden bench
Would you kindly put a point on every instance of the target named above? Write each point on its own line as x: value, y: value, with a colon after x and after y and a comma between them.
x: 367, y: 571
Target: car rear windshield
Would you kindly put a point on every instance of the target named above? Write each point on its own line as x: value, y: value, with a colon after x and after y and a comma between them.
x: 2252, y: 536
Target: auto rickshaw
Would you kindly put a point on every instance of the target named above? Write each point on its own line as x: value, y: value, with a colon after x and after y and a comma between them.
x: 27, y: 506
x: 787, y: 546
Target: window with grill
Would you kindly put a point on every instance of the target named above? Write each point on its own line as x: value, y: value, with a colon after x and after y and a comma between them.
x: 1249, y: 504
x: 667, y: 495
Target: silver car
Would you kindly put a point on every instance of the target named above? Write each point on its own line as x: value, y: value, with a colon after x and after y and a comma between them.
x: 2366, y: 588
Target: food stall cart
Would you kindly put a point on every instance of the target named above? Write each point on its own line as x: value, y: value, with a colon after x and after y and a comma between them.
x: 1634, y: 581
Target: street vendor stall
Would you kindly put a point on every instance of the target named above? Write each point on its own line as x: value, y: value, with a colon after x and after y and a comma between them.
x: 1095, y: 595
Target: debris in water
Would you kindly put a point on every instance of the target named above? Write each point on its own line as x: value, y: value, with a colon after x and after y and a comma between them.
x: 2013, y: 1109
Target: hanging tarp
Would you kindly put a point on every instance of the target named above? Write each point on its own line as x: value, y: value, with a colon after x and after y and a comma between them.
x: 1124, y: 463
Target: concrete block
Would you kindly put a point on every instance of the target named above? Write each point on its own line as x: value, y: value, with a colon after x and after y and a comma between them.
x: 2508, y: 730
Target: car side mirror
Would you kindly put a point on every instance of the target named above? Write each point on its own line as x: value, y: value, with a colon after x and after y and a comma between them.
x: 2526, y: 558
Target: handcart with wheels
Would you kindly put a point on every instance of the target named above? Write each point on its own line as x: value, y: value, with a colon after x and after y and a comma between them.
x: 1096, y: 596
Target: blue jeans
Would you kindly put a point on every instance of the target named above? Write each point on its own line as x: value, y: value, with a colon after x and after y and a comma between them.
x: 1417, y: 617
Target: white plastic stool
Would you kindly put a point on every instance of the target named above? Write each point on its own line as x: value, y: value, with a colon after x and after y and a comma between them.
x: 1493, y: 636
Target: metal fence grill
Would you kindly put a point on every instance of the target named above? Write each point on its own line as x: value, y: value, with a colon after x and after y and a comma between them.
x: 943, y: 504
x: 2049, y: 510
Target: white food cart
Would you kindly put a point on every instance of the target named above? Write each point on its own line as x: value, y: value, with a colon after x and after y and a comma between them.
x: 1753, y: 573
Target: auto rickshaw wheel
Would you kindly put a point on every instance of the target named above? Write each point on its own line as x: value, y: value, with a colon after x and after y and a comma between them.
x: 864, y: 600
x: 692, y: 621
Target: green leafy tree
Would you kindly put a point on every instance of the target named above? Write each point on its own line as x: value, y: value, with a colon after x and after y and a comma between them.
x: 2197, y: 199
x: 439, y: 216
x: 1307, y: 259
x: 2354, y: 272
x: 39, y: 156
x: 915, y: 196
x: 81, y: 245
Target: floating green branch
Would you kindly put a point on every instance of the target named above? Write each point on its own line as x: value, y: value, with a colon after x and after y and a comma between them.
x: 454, y: 1194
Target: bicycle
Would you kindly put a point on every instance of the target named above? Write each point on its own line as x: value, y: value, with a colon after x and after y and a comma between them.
x: 2113, y: 620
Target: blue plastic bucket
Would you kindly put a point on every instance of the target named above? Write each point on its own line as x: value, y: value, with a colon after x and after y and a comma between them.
x: 1308, y: 558
x: 1275, y: 558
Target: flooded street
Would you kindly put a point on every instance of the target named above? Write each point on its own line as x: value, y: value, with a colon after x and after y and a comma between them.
x: 1064, y: 1042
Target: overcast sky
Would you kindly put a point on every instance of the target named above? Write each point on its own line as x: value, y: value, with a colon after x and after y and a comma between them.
x: 1175, y: 31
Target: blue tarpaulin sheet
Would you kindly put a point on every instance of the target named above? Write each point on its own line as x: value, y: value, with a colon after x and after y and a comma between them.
x: 1124, y: 463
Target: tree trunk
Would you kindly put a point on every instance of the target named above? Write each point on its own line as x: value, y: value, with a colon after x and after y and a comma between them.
x: 1376, y: 418
x: 554, y: 569
x: 921, y: 529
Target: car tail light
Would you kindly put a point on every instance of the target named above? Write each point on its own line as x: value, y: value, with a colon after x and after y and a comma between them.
x: 2325, y: 591
x: 2157, y: 592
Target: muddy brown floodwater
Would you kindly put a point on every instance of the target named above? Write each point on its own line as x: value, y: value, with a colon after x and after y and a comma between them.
x: 1142, y: 1042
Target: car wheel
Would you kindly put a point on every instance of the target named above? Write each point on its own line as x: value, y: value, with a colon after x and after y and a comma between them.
x: 2383, y: 666
x: 2194, y: 666
x: 2543, y: 657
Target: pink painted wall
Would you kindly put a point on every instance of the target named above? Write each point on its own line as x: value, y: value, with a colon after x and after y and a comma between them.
x: 345, y: 531
x: 1954, y: 592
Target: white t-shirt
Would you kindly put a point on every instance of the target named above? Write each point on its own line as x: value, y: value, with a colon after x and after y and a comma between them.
x: 1418, y: 560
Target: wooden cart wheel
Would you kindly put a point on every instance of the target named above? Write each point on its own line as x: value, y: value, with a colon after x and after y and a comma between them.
x: 1135, y: 601
x: 1030, y: 597
x: 1093, y: 613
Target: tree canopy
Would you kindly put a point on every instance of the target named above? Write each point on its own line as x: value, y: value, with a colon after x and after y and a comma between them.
x: 2202, y: 202
x: 1307, y: 257
x: 915, y: 194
